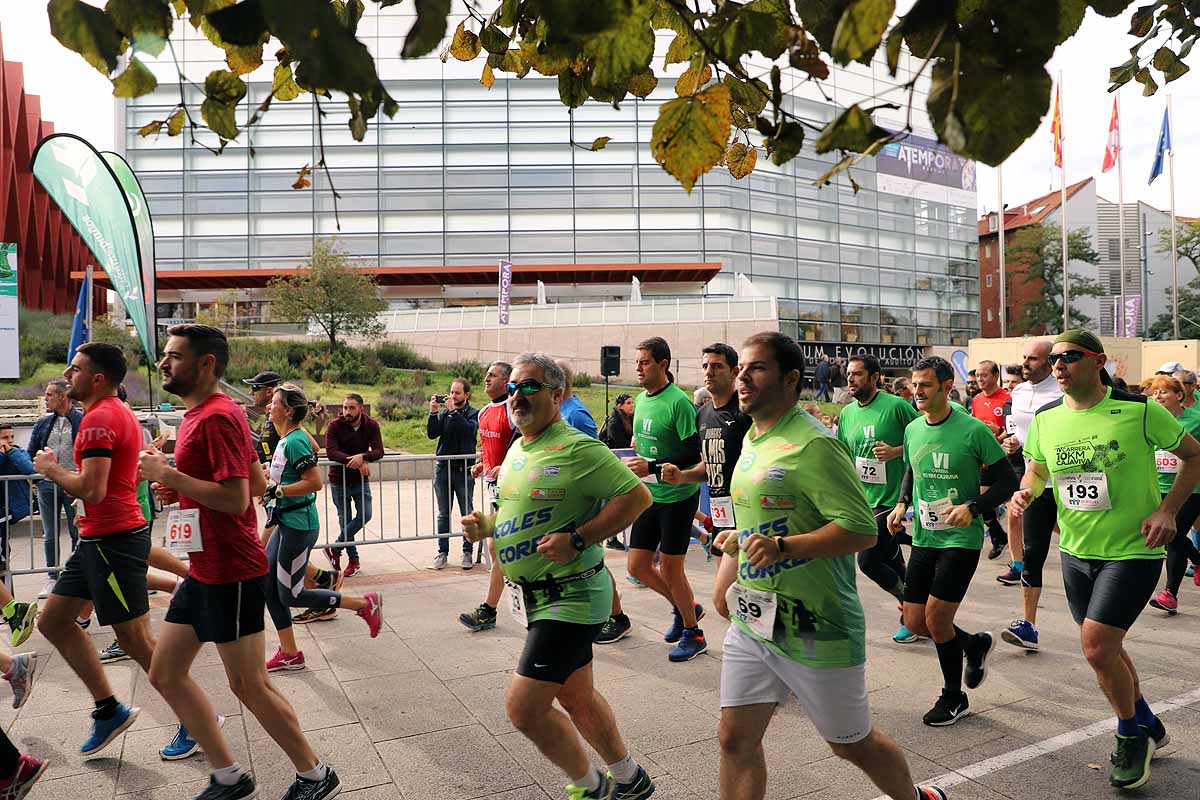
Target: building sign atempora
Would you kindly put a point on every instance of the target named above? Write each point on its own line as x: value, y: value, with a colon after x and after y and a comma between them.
x: 925, y: 169
x: 891, y: 356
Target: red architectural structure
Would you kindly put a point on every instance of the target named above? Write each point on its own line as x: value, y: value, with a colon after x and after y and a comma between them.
x: 48, y: 248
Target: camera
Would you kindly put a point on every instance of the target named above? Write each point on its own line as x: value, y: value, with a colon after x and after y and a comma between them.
x: 441, y: 398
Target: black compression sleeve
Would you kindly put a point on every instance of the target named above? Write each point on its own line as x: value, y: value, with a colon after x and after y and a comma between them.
x: 906, y: 487
x: 1004, y: 483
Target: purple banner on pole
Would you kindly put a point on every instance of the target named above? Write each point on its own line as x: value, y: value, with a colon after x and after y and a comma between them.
x: 506, y: 272
x: 1133, y: 314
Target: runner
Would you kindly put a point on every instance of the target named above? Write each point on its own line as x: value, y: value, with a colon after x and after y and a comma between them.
x: 1099, y: 445
x: 664, y: 429
x: 945, y: 452
x: 109, y: 566
x: 1035, y: 526
x: 291, y: 499
x: 496, y: 435
x: 223, y: 597
x: 1170, y: 393
x: 988, y: 408
x: 798, y: 625
x: 1013, y: 377
x: 872, y: 428
x: 561, y: 495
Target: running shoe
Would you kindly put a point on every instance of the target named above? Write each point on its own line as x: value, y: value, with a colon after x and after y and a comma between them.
x: 322, y: 614
x: 352, y: 568
x: 606, y: 790
x: 20, y: 677
x: 17, y: 785
x: 1190, y: 572
x: 1195, y: 573
x: 372, y: 613
x: 183, y: 745
x: 639, y: 788
x: 335, y: 557
x: 282, y: 662
x: 975, y: 672
x: 1010, y: 577
x: 104, y: 731
x: 1165, y: 601
x: 997, y: 549
x: 949, y: 709
x: 1131, y: 761
x: 480, y: 619
x: 635, y: 582
x: 328, y: 579
x: 904, y: 636
x: 1159, y: 734
x: 113, y: 653
x: 691, y: 644
x: 931, y: 793
x: 304, y: 789
x: 676, y: 630
x: 84, y: 623
x: 1021, y: 633
x: 468, y: 561
x: 47, y: 590
x: 244, y: 789
x: 439, y: 561
x: 616, y: 629
x: 615, y: 543
x: 22, y: 622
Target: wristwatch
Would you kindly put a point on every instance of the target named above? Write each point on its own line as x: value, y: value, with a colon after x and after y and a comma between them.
x: 578, y: 542
x: 782, y: 547
x: 973, y: 507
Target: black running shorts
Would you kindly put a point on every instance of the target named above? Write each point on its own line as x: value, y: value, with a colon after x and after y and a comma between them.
x: 666, y: 527
x: 555, y: 649
x: 109, y: 570
x: 941, y: 572
x: 1109, y: 592
x: 220, y: 612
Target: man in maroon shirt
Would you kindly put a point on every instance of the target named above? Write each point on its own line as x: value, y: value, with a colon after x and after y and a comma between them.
x: 352, y: 441
x: 223, y: 599
x: 988, y: 408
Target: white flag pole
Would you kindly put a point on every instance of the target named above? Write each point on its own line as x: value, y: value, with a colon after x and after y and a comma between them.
x: 1000, y: 243
x: 1063, y: 181
x: 1120, y: 326
x: 1174, y: 255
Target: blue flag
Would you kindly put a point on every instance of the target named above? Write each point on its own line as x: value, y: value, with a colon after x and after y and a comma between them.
x: 1164, y: 144
x: 79, y: 327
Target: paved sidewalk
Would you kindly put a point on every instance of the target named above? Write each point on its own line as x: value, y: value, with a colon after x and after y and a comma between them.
x: 418, y: 713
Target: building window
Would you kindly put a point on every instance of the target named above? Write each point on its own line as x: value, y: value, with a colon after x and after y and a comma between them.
x: 993, y: 223
x: 987, y: 250
x: 989, y: 310
x: 989, y: 281
x: 1114, y: 249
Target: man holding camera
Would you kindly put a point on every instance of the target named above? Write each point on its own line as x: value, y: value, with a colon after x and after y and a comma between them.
x: 454, y: 423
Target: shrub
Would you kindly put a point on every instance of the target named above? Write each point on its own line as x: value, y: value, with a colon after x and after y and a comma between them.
x: 582, y: 380
x: 399, y: 355
x: 473, y: 371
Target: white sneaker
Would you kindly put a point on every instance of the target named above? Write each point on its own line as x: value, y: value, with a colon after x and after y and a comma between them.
x: 439, y: 561
x: 45, y: 592
x: 468, y: 561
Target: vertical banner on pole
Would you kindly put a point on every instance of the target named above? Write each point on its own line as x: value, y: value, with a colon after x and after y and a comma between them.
x: 505, y: 289
x: 139, y: 212
x: 1133, y: 314
x: 81, y: 326
x: 10, y: 358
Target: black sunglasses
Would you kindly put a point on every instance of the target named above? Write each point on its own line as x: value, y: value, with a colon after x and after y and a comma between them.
x: 1069, y: 357
x: 527, y: 387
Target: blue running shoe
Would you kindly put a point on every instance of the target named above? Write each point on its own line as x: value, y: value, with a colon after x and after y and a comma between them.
x: 639, y: 788
x: 1021, y: 634
x: 691, y: 644
x: 183, y: 745
x: 635, y: 581
x: 904, y: 636
x: 1190, y: 572
x: 104, y: 731
x: 676, y: 630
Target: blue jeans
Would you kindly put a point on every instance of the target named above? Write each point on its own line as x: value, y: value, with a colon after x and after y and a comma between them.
x: 345, y: 496
x: 52, y: 501
x: 824, y: 390
x: 448, y: 480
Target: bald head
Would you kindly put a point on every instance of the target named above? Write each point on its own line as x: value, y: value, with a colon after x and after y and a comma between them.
x: 1035, y: 367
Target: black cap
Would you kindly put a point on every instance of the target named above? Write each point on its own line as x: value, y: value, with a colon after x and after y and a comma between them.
x: 264, y: 379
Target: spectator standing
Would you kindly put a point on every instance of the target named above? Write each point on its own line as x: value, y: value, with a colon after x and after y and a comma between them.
x: 838, y: 381
x: 823, y: 375
x: 56, y: 431
x: 574, y: 412
x: 618, y: 428
x: 262, y: 432
x: 352, y: 442
x: 454, y: 423
x: 14, y: 507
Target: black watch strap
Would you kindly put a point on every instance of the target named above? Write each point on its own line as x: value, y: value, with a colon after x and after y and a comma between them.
x: 578, y: 542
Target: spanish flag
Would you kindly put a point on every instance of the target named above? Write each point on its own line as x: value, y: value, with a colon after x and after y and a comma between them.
x: 1056, y: 128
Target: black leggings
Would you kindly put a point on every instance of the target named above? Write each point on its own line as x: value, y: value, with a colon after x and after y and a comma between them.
x: 287, y: 558
x: 9, y: 755
x: 1181, y: 550
x: 883, y: 562
x: 1037, y: 524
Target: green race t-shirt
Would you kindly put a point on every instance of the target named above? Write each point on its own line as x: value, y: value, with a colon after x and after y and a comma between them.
x: 1110, y: 449
x: 1167, y: 462
x: 661, y: 423
x: 794, y: 479
x: 291, y: 450
x: 946, y: 460
x: 861, y: 427
x: 555, y: 483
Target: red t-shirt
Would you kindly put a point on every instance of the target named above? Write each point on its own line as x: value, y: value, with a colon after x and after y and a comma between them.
x: 989, y: 409
x: 495, y: 433
x: 214, y: 444
x: 110, y: 430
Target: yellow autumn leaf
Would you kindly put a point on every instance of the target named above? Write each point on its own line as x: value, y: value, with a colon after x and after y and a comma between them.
x: 601, y: 142
x: 465, y: 45
x: 691, y: 133
x: 642, y: 84
x: 741, y: 159
x: 175, y: 123
x: 488, y: 77
x: 692, y: 79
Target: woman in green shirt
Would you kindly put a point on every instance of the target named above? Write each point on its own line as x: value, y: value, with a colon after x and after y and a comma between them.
x: 291, y: 498
x: 1169, y: 393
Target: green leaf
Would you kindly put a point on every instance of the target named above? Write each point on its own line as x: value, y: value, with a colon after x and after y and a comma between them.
x: 141, y: 18
x: 465, y: 46
x: 1147, y: 81
x: 543, y: 64
x: 241, y: 25
x: 600, y: 143
x: 860, y: 30
x: 781, y: 13
x: 242, y: 59
x: 1001, y: 33
x: 895, y: 43
x: 820, y: 18
x: 86, y: 30
x: 739, y: 30
x: 493, y: 39
x: 1109, y: 8
x: 785, y: 145
x: 506, y: 15
x: 349, y: 13
x: 691, y: 133
x: 135, y: 81
x: 429, y: 29
x: 642, y: 84
x: 327, y: 55
x: 749, y: 96
x: 358, y: 124
x: 175, y: 122
x: 667, y: 17
x: 741, y: 160
x: 1169, y: 64
x: 223, y: 91
x: 620, y: 52
x: 1119, y: 76
x: 990, y: 131
x: 681, y: 49
x: 283, y: 85
x: 572, y: 89
x: 853, y: 130
x: 1142, y: 20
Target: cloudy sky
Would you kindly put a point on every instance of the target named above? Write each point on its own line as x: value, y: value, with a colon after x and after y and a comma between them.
x: 77, y: 99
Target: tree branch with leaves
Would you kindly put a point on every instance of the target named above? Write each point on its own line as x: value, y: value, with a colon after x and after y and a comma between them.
x: 1035, y: 255
x: 327, y: 291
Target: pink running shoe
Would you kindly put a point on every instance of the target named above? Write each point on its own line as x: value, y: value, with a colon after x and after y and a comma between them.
x: 1165, y: 601
x: 17, y: 785
x: 372, y: 612
x: 282, y: 662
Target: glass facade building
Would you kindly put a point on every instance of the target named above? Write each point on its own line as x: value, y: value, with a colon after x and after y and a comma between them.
x: 464, y: 175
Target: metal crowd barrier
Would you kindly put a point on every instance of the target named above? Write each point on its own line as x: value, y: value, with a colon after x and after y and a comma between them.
x: 31, y: 559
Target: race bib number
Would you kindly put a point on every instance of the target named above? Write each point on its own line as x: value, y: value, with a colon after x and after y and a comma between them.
x: 755, y: 608
x: 183, y: 531
x: 1010, y: 425
x: 1084, y: 491
x: 870, y: 470
x: 933, y: 513
x: 492, y: 491
x: 516, y: 603
x: 1166, y: 462
x: 80, y: 508
x: 722, y: 512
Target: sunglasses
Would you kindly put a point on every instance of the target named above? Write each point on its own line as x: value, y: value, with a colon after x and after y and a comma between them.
x: 527, y: 387
x: 1070, y: 357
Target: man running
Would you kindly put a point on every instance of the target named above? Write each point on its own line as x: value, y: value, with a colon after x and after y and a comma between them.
x: 988, y: 408
x: 224, y: 596
x: 664, y: 430
x: 789, y: 589
x: 1034, y: 528
x: 945, y: 451
x: 496, y: 435
x: 1098, y: 445
x: 872, y: 428
x: 561, y: 495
